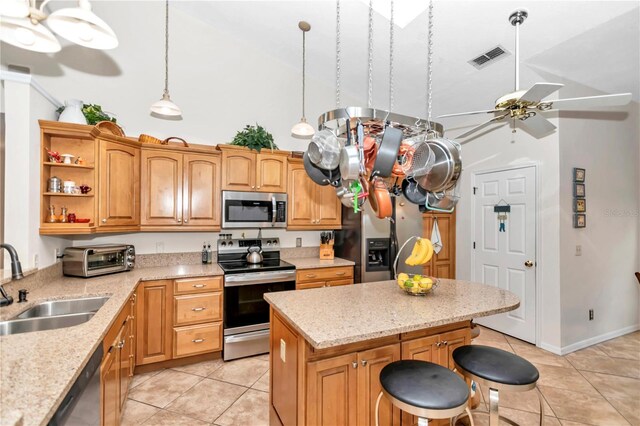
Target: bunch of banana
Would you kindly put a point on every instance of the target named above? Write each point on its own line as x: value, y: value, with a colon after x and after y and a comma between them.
x: 421, y: 253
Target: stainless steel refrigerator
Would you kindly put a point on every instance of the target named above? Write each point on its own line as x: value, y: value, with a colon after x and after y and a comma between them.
x: 373, y: 243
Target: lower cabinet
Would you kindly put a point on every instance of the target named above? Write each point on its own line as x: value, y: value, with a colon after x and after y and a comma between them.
x: 154, y: 321
x: 324, y: 277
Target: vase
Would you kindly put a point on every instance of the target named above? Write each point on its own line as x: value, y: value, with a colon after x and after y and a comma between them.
x: 73, y: 112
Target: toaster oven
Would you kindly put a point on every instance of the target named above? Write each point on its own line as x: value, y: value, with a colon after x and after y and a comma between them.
x: 91, y: 261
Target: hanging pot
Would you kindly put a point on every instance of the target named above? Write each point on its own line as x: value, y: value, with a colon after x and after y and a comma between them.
x: 387, y: 152
x: 380, y: 199
x: 413, y: 192
x: 446, y: 168
x: 320, y: 176
x: 324, y: 150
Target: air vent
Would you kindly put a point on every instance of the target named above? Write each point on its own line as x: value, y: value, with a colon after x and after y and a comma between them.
x: 489, y: 57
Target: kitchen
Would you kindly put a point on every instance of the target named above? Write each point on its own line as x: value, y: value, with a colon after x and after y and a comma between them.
x: 165, y: 200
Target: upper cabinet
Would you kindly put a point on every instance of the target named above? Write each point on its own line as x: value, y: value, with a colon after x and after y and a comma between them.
x: 310, y: 206
x: 201, y: 190
x: 246, y: 170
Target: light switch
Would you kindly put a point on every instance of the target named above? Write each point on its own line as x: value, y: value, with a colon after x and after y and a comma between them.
x: 159, y: 247
x: 283, y: 350
x: 578, y: 250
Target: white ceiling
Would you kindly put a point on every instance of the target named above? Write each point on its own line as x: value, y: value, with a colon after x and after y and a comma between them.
x: 595, y: 43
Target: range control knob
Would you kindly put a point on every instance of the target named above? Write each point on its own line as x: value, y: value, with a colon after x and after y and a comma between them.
x: 130, y: 250
x: 275, y: 242
x: 131, y: 257
x: 223, y: 244
x: 129, y: 265
x: 230, y: 243
x: 269, y: 243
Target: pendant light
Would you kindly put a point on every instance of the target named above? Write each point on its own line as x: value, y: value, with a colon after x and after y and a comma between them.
x: 303, y: 130
x: 165, y: 106
x: 21, y: 26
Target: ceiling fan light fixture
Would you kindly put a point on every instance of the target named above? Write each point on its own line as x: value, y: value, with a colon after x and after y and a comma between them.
x: 302, y: 130
x: 81, y: 26
x: 14, y: 8
x: 25, y: 34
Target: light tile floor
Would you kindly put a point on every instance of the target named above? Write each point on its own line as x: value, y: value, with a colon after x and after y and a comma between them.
x: 599, y: 385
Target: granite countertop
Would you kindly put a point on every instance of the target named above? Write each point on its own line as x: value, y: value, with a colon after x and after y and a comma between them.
x: 315, y: 262
x: 334, y: 316
x: 37, y: 369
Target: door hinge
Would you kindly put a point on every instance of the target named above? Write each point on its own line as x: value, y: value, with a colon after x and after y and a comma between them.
x: 474, y: 245
x: 475, y: 188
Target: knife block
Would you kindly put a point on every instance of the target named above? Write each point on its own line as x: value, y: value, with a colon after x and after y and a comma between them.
x: 326, y: 251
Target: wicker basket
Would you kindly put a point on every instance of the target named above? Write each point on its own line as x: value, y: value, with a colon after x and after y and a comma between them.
x: 110, y: 127
x: 150, y: 139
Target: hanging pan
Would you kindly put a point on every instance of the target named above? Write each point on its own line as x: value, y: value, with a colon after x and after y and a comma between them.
x: 380, y: 199
x: 413, y: 192
x: 349, y: 158
x: 387, y: 152
x: 320, y: 176
x: 324, y: 150
x: 447, y: 166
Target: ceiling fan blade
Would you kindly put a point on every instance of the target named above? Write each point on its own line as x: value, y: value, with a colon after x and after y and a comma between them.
x: 590, y: 102
x: 488, y: 111
x: 481, y: 126
x: 540, y: 91
x: 537, y: 125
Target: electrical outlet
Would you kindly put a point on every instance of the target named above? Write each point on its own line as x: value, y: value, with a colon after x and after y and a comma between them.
x: 160, y: 247
x: 591, y: 314
x: 283, y: 350
x: 57, y: 254
x: 578, y: 250
x: 35, y: 260
x: 298, y: 242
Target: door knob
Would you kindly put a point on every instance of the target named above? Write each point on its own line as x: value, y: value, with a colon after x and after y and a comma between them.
x: 528, y: 264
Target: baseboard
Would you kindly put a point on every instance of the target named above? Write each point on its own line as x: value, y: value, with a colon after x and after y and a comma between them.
x: 551, y: 348
x: 593, y: 340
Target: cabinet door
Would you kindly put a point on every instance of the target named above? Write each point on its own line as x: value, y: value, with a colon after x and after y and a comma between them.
x: 124, y: 347
x: 201, y: 190
x: 450, y: 341
x: 332, y: 391
x: 443, y: 264
x: 154, y: 321
x: 301, y: 201
x: 110, y: 389
x: 132, y: 335
x: 238, y: 171
x: 161, y: 188
x: 422, y: 349
x: 119, y: 191
x: 271, y: 173
x: 370, y: 363
x: 328, y: 207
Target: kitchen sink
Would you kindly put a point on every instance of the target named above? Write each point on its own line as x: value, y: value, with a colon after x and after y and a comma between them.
x: 64, y: 307
x: 26, y: 325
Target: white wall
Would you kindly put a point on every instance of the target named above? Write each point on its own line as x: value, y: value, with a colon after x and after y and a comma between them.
x: 606, y: 144
x: 220, y: 83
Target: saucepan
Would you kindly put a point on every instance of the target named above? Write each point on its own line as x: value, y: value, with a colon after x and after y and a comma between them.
x: 324, y: 150
x: 349, y: 158
x: 320, y: 176
x: 413, y: 192
x: 447, y: 166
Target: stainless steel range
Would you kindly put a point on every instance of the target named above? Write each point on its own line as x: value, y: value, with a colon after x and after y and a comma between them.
x: 246, y: 313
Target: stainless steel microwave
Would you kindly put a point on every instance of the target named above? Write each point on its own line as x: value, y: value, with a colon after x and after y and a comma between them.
x: 254, y: 210
x: 91, y: 261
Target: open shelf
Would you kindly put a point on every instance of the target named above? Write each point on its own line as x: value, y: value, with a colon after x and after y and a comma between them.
x: 73, y: 166
x: 62, y: 194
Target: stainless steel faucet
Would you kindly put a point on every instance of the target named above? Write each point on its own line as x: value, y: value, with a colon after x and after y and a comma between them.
x: 16, y: 273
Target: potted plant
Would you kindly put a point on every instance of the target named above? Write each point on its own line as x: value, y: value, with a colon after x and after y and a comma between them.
x: 92, y: 113
x: 255, y: 138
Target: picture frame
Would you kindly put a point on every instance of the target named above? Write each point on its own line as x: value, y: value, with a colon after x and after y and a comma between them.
x: 579, y: 174
x: 579, y: 220
x: 579, y: 190
x: 579, y: 205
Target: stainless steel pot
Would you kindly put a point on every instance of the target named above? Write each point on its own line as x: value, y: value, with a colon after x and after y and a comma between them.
x: 446, y: 168
x: 55, y: 184
x: 254, y: 254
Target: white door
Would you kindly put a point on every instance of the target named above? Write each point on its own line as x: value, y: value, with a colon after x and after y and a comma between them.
x: 506, y: 259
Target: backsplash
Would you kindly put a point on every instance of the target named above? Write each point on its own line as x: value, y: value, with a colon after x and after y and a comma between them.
x: 35, y: 279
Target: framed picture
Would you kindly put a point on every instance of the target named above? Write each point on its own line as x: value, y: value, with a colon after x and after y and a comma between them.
x: 579, y: 190
x: 579, y: 220
x: 579, y: 205
x: 578, y: 174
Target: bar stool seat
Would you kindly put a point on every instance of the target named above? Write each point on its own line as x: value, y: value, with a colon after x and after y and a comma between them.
x: 423, y: 389
x: 496, y: 365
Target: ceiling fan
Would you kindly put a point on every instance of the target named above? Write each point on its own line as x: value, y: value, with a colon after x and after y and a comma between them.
x: 527, y: 105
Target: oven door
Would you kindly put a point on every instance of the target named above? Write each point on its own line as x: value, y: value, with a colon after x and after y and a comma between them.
x: 253, y: 210
x: 245, y: 309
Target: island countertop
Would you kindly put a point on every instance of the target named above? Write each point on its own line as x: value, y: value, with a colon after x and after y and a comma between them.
x: 334, y: 316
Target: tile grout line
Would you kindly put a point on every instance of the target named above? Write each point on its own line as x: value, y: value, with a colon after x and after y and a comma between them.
x: 229, y: 407
x: 602, y: 395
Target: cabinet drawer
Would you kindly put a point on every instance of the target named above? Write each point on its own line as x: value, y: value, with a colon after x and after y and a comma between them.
x: 335, y: 283
x: 315, y: 284
x: 323, y: 274
x: 197, y: 339
x: 197, y: 285
x: 192, y: 309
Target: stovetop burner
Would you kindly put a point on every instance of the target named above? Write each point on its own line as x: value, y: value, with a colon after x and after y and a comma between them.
x: 239, y: 267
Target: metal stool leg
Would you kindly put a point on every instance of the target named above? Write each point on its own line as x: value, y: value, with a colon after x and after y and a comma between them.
x: 378, y: 409
x: 470, y: 416
x: 541, y: 405
x: 494, y: 415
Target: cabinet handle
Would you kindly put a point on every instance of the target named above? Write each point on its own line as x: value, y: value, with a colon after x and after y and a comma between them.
x: 120, y: 344
x: 311, y: 275
x: 253, y: 187
x: 354, y: 364
x: 438, y: 344
x: 198, y: 309
x: 364, y: 362
x: 198, y: 340
x: 445, y: 343
x: 258, y: 186
x: 340, y: 273
x: 135, y: 295
x: 186, y: 220
x: 199, y: 285
x: 104, y: 220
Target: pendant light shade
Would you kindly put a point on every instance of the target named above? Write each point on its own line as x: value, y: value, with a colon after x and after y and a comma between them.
x: 303, y: 130
x: 23, y: 33
x: 165, y: 106
x: 81, y: 26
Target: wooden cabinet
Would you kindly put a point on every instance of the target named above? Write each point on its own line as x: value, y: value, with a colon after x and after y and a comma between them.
x: 370, y: 363
x: 180, y: 191
x: 110, y: 389
x: 324, y: 277
x: 310, y: 206
x: 119, y: 188
x: 443, y: 264
x: 246, y: 170
x: 154, y: 313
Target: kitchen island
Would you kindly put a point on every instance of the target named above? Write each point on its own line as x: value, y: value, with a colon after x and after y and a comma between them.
x: 328, y: 345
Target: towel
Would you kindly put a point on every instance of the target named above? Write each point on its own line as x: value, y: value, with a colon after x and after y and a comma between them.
x: 435, y: 237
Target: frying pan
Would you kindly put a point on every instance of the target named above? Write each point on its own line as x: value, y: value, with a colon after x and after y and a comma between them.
x: 387, y: 152
x: 320, y: 176
x: 413, y: 192
x: 380, y: 199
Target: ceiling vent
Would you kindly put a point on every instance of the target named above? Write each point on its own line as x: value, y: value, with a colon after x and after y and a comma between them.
x: 489, y: 57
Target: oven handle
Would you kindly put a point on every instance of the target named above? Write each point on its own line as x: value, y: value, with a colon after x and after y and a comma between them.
x: 236, y: 280
x: 253, y: 335
x: 273, y: 209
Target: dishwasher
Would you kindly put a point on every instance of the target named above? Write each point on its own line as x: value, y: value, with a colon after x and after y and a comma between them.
x: 81, y: 405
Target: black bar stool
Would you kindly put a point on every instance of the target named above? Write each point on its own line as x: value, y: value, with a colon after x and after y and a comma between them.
x: 498, y: 370
x: 424, y: 389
